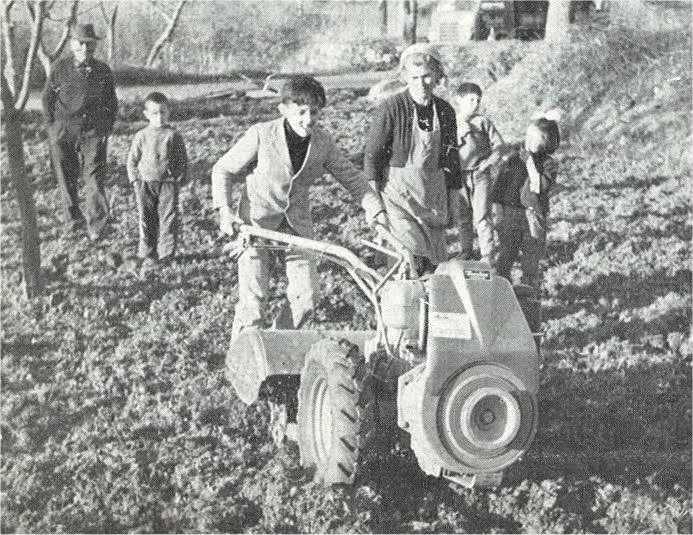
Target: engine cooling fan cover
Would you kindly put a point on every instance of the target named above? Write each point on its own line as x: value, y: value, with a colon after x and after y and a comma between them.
x: 486, y: 418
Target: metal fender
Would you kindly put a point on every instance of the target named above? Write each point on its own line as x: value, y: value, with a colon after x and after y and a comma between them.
x: 254, y: 355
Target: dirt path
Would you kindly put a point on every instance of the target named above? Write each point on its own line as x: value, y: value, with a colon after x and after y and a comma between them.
x: 357, y: 80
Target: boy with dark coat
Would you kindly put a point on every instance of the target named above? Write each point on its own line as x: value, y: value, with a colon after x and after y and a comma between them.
x: 522, y: 190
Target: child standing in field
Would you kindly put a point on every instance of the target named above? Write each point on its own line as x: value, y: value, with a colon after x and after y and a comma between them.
x: 288, y: 155
x: 157, y: 167
x: 522, y: 190
x: 479, y: 143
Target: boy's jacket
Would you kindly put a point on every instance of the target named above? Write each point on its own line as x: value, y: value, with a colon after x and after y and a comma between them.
x: 273, y: 192
x: 511, y: 188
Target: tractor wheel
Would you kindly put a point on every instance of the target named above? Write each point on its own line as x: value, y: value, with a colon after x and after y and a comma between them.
x: 335, y: 411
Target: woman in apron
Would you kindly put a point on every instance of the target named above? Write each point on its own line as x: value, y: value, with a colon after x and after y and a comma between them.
x: 411, y: 158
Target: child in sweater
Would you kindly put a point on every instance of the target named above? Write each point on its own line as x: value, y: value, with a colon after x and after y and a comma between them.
x: 522, y: 190
x: 157, y: 167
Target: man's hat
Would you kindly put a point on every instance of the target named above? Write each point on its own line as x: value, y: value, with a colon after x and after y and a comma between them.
x: 84, y: 33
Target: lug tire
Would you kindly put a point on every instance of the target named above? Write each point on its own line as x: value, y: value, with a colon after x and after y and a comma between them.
x: 335, y: 411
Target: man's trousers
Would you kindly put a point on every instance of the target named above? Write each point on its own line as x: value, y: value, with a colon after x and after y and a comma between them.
x: 77, y: 153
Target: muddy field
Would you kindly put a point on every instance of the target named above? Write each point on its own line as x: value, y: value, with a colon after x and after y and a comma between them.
x: 117, y: 415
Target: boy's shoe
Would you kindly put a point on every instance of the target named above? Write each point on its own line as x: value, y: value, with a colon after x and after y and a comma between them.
x: 73, y: 227
x: 97, y: 234
x: 165, y: 260
x: 148, y: 265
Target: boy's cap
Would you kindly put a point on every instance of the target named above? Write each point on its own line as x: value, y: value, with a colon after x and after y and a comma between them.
x: 420, y: 48
x: 84, y: 33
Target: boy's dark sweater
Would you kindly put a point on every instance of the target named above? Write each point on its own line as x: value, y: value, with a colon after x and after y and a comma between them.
x: 511, y: 188
x: 297, y: 145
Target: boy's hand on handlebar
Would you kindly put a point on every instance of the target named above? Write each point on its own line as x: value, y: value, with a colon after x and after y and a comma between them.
x: 235, y: 248
x: 228, y: 222
x: 382, y: 220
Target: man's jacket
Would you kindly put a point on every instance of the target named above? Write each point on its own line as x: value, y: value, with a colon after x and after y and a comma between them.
x: 82, y: 95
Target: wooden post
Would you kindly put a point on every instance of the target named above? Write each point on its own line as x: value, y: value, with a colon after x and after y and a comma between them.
x: 410, y: 20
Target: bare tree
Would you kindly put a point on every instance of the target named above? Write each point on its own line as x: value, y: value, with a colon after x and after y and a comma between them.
x: 45, y: 57
x: 382, y: 6
x: 557, y: 21
x: 410, y: 20
x: 172, y: 22
x: 110, y: 19
x: 14, y: 92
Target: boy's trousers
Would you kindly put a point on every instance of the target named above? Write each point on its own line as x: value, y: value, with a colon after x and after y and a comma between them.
x: 476, y: 212
x: 521, y: 231
x: 157, y: 204
x: 253, y: 284
x: 76, y: 152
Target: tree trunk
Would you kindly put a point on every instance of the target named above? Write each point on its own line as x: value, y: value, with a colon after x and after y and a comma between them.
x: 165, y: 36
x: 31, y: 244
x: 479, y: 30
x: 383, y: 17
x: 557, y: 21
x: 410, y: 21
x: 14, y: 96
x: 110, y: 37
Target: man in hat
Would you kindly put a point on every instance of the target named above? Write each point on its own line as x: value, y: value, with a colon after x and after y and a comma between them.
x: 80, y: 106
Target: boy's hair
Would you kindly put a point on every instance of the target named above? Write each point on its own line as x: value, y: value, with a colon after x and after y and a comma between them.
x: 156, y: 98
x: 304, y: 91
x: 468, y: 88
x: 551, y: 135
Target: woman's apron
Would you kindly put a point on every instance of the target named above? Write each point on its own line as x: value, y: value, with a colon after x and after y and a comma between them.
x: 416, y: 198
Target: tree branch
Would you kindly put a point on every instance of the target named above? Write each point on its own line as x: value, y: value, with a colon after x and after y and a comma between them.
x: 9, y: 72
x: 165, y: 36
x: 46, y: 58
x: 36, y: 29
x: 6, y: 94
x: 161, y: 11
x: 110, y: 20
x: 69, y: 22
